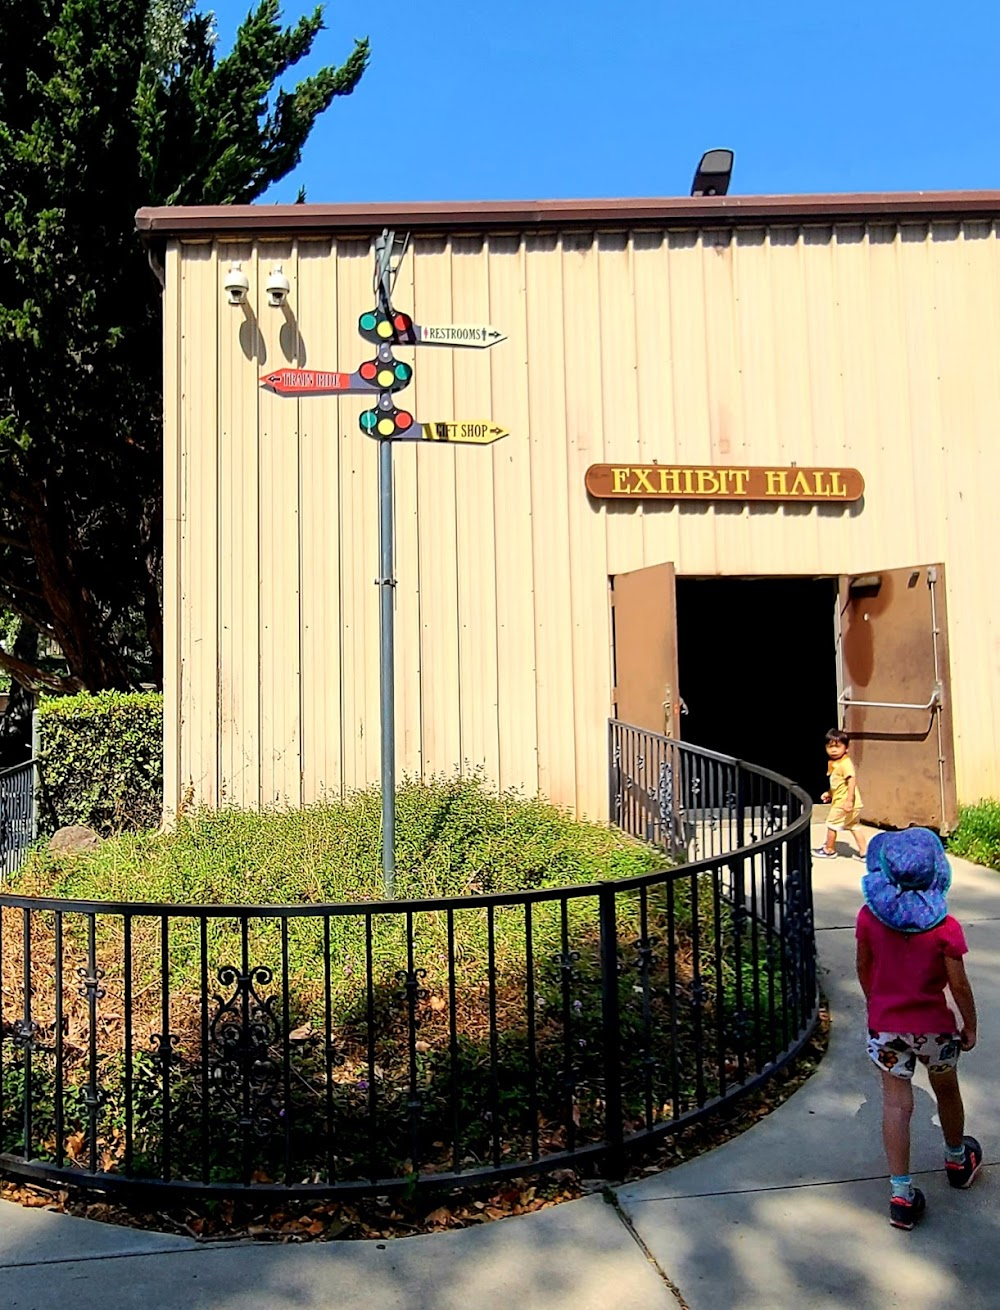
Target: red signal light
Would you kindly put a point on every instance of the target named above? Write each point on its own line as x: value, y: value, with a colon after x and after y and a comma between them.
x: 368, y: 370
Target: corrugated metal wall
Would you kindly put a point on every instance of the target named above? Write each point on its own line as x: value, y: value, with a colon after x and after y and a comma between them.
x: 868, y: 347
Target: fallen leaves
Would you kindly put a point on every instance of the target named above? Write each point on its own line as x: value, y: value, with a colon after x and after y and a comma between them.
x: 383, y: 1217
x: 377, y: 1217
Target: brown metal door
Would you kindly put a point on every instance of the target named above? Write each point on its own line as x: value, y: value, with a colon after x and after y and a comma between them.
x: 896, y: 695
x: 644, y: 619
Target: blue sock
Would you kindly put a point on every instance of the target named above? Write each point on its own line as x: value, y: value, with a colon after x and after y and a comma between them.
x: 954, y: 1154
x: 902, y: 1186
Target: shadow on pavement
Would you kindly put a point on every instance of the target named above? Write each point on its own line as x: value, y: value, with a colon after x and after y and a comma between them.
x: 578, y: 1255
x: 794, y: 1212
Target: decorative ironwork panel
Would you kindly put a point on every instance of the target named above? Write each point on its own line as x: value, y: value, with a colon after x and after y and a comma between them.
x: 242, y: 1035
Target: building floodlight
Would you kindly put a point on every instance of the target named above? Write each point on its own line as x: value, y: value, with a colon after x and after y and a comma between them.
x: 713, y: 173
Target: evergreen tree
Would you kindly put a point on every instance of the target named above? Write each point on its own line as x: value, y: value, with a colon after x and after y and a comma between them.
x: 106, y: 106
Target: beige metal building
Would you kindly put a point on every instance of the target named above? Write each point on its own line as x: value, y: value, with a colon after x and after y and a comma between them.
x: 829, y: 333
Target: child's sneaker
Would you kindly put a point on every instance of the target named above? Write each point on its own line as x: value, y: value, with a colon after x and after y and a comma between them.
x: 822, y: 853
x: 961, y: 1175
x: 904, y: 1213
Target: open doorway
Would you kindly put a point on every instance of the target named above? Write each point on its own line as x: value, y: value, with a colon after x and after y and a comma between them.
x: 757, y: 670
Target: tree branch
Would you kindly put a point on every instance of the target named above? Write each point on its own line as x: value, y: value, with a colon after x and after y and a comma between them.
x: 35, y: 679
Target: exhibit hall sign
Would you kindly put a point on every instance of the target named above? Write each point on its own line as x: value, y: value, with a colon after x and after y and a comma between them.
x: 699, y: 482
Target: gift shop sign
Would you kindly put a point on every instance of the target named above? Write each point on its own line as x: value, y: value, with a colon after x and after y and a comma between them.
x: 697, y: 482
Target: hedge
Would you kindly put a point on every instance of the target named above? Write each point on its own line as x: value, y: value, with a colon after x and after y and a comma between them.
x: 101, y: 759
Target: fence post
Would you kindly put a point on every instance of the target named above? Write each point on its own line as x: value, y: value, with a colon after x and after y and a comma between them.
x: 36, y: 774
x: 741, y: 808
x: 613, y: 1124
x: 614, y: 774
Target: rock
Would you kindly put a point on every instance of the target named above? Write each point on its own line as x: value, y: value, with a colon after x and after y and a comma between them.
x: 75, y: 840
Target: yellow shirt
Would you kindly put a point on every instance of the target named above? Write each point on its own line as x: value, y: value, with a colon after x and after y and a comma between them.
x: 839, y: 772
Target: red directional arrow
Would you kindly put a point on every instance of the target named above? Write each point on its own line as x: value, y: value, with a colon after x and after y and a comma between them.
x: 311, y: 382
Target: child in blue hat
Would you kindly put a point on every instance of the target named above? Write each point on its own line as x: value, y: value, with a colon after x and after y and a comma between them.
x: 909, y: 950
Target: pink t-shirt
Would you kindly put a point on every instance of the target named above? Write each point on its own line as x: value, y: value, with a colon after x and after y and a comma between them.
x: 908, y: 975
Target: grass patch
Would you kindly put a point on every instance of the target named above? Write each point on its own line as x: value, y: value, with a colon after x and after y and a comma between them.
x: 977, y: 837
x: 369, y: 1043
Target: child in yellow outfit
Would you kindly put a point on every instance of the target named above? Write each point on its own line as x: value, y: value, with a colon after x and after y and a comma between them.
x: 844, y: 796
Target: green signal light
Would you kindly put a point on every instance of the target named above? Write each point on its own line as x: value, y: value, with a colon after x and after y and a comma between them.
x: 367, y: 322
x: 403, y: 372
x: 369, y: 419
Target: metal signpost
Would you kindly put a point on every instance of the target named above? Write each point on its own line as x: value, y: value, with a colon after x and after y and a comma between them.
x: 382, y: 377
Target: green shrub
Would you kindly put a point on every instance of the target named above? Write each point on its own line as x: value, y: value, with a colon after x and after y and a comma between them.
x: 453, y: 837
x: 977, y: 836
x: 506, y: 1025
x: 102, y: 761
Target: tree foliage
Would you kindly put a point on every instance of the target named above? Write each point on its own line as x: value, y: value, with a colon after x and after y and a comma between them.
x: 106, y: 106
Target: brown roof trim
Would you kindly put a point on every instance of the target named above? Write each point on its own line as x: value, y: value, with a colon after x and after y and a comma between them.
x: 482, y: 216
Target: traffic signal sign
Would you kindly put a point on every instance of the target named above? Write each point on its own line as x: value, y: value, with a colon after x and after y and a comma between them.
x: 386, y: 374
x: 385, y: 420
x: 386, y: 329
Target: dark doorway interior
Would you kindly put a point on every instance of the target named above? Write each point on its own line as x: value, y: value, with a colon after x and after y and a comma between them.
x: 757, y: 666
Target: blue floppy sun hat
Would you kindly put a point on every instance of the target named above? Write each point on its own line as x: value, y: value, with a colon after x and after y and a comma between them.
x: 907, y: 881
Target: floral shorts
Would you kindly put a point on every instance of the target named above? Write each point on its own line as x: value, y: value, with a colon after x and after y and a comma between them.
x: 898, y: 1053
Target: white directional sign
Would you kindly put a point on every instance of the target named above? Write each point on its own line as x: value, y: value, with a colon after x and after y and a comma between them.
x: 479, y: 335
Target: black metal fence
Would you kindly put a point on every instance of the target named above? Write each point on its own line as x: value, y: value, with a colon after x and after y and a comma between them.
x: 317, y: 1049
x: 691, y: 801
x: 17, y: 815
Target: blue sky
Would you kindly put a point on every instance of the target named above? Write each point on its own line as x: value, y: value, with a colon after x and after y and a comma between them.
x: 522, y: 100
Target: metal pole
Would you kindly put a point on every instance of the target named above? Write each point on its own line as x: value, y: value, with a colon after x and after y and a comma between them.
x: 386, y: 583
x: 36, y: 776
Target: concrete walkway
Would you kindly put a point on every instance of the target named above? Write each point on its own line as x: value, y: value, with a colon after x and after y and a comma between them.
x: 791, y: 1213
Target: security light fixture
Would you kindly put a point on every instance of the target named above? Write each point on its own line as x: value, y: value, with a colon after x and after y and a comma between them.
x: 713, y: 174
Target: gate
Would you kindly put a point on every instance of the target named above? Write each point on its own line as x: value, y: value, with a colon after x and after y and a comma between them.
x: 18, y: 816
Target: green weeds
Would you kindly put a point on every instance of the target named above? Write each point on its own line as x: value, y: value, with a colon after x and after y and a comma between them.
x: 977, y: 837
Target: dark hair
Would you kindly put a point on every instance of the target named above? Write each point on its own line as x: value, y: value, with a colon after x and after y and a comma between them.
x: 838, y: 734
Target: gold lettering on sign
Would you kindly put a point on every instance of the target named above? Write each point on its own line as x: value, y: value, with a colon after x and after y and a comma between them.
x: 683, y: 482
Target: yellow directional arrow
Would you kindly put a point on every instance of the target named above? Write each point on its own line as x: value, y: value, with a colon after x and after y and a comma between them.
x: 465, y: 431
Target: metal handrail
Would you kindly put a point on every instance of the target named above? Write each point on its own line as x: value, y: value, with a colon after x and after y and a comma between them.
x: 847, y: 700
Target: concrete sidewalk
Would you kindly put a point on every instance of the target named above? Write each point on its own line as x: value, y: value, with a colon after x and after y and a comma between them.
x: 792, y: 1212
